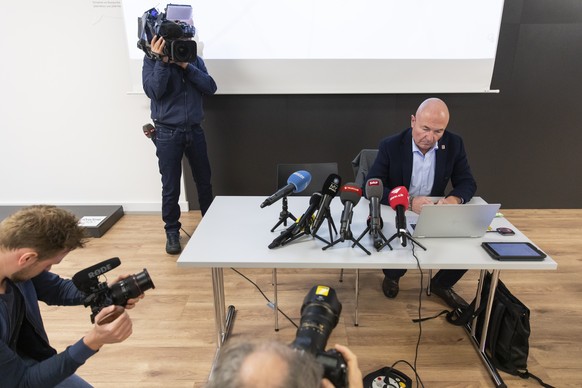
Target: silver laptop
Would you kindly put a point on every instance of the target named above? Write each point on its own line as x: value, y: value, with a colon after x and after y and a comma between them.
x: 469, y: 220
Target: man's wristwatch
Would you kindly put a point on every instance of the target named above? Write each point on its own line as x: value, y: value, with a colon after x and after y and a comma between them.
x: 410, y: 199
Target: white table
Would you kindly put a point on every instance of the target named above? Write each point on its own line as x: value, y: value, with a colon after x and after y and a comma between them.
x: 235, y: 232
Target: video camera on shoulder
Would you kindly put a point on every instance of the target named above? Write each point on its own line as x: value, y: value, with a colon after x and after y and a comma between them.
x: 100, y: 295
x: 174, y: 26
x: 319, y: 316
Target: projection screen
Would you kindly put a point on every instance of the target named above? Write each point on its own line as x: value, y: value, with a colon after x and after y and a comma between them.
x: 339, y: 46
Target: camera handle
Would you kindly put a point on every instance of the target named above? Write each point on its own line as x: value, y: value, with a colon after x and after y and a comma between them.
x: 112, y: 316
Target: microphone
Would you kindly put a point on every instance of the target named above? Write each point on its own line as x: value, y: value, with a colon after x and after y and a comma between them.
x: 87, y: 277
x: 374, y: 191
x: 350, y: 195
x: 398, y: 199
x: 296, y: 183
x: 285, y: 235
x: 299, y: 225
x: 329, y: 190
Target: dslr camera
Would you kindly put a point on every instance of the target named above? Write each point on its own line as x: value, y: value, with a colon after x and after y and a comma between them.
x: 100, y: 295
x: 319, y: 316
x: 172, y: 26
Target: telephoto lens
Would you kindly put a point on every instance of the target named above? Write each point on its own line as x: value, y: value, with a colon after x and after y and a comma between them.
x: 130, y: 287
x: 320, y: 314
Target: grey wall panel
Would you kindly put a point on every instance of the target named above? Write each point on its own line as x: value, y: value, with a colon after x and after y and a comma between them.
x: 522, y: 142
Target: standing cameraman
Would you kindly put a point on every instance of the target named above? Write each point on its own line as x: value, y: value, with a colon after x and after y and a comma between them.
x: 32, y: 240
x: 175, y: 90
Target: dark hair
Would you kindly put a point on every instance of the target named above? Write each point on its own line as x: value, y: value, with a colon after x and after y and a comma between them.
x: 46, y: 229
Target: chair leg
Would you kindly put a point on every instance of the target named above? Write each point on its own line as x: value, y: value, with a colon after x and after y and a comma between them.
x: 275, y: 300
x: 428, y: 283
x: 357, y: 294
x: 341, y: 279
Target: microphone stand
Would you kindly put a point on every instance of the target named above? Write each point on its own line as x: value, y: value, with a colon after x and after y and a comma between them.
x: 283, y: 215
x: 377, y: 244
x: 404, y: 235
x: 304, y: 226
x: 330, y: 226
x: 350, y: 237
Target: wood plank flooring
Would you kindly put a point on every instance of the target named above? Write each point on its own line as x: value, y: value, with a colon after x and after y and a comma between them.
x: 173, y: 342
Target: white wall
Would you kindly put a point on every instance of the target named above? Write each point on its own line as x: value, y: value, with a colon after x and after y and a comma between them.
x: 70, y: 132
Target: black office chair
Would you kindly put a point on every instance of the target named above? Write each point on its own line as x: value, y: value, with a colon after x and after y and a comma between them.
x: 319, y: 173
x: 362, y: 163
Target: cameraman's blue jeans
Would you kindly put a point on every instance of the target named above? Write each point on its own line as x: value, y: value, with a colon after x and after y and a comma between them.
x: 171, y: 145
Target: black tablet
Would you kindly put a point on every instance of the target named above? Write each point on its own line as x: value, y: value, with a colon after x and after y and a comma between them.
x: 513, y: 251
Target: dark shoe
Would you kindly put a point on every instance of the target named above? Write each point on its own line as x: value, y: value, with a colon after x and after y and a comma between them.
x: 390, y: 287
x: 173, y: 246
x: 450, y: 297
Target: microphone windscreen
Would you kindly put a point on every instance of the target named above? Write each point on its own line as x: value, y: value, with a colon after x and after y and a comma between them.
x: 398, y: 197
x: 170, y: 30
x: 331, y: 185
x: 350, y: 192
x: 90, y: 274
x: 299, y: 179
x: 374, y: 188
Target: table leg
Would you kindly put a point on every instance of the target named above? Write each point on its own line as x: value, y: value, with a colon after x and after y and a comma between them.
x: 276, y: 301
x: 471, y: 328
x: 224, y: 321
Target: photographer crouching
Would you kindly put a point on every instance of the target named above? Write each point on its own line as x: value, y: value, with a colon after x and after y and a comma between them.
x: 275, y: 365
x: 32, y: 240
x: 303, y: 364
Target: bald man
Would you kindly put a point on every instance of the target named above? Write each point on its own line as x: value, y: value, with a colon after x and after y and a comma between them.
x: 272, y: 364
x: 425, y: 158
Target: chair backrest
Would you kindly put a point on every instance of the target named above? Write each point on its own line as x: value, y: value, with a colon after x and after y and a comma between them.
x: 319, y: 173
x: 362, y: 163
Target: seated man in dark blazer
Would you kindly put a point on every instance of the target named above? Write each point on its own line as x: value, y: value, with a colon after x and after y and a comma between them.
x: 424, y: 158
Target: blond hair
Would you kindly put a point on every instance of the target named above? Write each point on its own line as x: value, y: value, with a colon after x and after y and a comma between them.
x: 46, y: 229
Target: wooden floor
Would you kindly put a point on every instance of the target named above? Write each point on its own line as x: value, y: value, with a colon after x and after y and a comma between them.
x: 173, y: 342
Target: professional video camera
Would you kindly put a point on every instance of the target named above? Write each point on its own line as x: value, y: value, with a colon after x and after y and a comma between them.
x: 319, y: 315
x: 100, y: 295
x: 172, y: 25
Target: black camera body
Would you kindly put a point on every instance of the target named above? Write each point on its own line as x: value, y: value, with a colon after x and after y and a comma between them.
x: 177, y: 34
x: 319, y: 316
x: 100, y: 295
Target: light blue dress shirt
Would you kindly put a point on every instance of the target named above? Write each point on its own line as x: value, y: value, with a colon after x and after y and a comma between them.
x: 423, y: 166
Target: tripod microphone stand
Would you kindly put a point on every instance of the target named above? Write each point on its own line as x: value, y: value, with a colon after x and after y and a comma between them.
x: 379, y: 240
x: 347, y: 235
x: 404, y: 236
x: 330, y: 226
x: 284, y: 215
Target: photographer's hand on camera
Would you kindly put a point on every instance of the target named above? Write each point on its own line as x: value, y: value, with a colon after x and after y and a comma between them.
x: 113, y: 332
x: 355, y: 378
x: 158, y: 44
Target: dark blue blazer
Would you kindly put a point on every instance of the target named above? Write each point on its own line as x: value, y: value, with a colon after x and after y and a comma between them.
x: 393, y: 166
